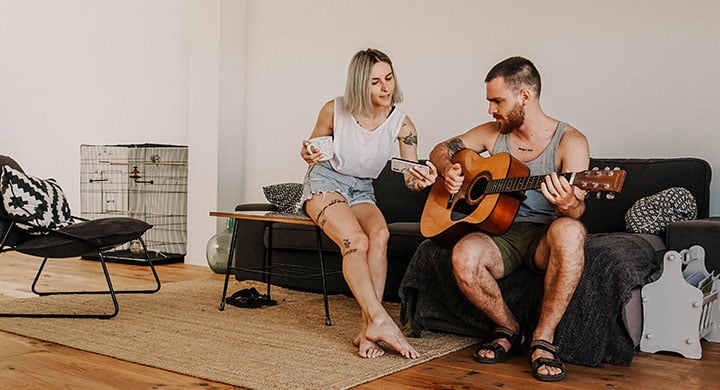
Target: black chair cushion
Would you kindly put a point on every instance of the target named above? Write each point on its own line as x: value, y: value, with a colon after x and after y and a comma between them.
x: 84, y: 238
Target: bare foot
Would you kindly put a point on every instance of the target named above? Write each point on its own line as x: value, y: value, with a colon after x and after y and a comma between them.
x: 385, y: 330
x: 367, y: 348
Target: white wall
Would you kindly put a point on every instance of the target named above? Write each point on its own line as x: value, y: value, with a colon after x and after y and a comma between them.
x: 638, y: 77
x: 113, y: 72
x: 241, y: 81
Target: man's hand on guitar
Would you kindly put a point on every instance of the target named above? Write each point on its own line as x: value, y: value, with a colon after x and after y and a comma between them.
x: 454, y: 178
x: 559, y: 192
x: 556, y: 189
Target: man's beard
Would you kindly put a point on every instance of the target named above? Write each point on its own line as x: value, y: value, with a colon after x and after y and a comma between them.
x: 514, y: 119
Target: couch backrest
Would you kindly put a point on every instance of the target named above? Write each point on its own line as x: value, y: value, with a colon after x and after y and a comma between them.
x: 646, y: 177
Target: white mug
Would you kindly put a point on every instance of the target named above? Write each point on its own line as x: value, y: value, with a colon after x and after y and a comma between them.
x: 323, y: 144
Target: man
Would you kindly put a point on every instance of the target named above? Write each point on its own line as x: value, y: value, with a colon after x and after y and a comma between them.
x: 546, y: 233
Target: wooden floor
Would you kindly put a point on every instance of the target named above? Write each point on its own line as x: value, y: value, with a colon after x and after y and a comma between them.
x: 27, y: 363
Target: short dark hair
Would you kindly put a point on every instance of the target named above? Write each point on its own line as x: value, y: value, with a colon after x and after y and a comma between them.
x: 518, y: 73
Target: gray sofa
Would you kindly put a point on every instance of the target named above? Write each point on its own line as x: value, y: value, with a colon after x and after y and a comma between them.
x: 603, y: 323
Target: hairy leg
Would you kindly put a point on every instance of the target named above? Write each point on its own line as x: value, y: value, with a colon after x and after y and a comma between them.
x: 561, y: 253
x: 477, y: 264
x: 332, y: 213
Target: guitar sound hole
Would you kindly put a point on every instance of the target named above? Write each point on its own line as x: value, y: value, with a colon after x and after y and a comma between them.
x: 477, y: 189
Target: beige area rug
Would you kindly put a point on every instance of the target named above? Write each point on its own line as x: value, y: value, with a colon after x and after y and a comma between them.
x: 180, y: 329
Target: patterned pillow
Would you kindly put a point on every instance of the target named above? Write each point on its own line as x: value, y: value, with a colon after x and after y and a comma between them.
x: 652, y: 214
x: 34, y: 203
x: 285, y: 196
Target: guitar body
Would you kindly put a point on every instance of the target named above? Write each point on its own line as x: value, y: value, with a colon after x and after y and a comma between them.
x: 471, y: 209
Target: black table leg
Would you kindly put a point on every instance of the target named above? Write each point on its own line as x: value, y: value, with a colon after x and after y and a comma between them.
x: 231, y: 254
x: 318, y: 236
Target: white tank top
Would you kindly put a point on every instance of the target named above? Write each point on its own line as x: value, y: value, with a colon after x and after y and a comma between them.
x: 359, y: 152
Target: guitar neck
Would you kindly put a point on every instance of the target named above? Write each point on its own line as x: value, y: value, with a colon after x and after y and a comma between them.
x: 516, y: 184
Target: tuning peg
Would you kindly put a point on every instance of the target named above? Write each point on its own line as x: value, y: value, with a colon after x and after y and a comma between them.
x: 598, y: 195
x: 610, y: 196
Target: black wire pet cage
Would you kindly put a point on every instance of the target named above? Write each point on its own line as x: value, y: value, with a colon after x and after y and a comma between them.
x: 143, y: 181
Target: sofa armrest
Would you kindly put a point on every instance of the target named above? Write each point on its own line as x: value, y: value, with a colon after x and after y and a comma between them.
x: 704, y: 232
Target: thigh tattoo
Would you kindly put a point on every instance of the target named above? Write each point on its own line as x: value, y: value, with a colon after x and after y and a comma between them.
x: 320, y: 214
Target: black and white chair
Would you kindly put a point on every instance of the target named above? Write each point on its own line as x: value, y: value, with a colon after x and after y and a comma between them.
x: 35, y: 219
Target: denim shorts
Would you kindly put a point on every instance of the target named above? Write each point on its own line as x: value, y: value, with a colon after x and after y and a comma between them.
x: 322, y: 178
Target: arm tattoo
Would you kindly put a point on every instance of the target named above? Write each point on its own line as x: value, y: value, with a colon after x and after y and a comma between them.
x: 413, y: 183
x: 410, y: 140
x: 453, y: 146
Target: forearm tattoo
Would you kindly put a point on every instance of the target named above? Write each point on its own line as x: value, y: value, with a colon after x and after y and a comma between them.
x: 413, y: 183
x: 453, y: 146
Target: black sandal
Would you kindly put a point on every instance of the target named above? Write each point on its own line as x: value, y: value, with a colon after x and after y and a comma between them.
x: 547, y: 362
x: 500, y: 354
x: 249, y: 298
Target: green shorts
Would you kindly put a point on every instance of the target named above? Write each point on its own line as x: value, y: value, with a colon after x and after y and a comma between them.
x: 518, y: 245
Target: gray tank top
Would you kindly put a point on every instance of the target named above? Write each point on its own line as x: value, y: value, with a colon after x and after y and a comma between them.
x: 535, y: 208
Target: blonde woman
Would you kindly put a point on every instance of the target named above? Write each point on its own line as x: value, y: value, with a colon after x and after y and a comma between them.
x: 365, y: 125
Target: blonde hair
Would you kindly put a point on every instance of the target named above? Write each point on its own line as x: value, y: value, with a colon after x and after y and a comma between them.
x: 357, y: 89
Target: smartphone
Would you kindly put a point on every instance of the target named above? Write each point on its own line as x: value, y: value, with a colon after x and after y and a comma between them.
x: 400, y: 165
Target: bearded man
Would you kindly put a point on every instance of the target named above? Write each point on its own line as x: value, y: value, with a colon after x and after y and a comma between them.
x: 546, y: 233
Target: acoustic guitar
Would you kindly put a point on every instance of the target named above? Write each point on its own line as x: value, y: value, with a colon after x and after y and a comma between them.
x: 491, y: 195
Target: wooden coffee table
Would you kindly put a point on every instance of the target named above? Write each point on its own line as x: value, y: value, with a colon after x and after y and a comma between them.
x: 285, y: 270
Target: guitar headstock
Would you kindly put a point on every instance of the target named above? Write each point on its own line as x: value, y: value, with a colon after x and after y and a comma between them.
x: 601, y: 180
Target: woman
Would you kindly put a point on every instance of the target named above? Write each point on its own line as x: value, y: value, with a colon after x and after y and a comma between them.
x: 365, y: 125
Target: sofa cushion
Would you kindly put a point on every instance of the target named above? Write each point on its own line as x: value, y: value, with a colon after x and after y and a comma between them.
x: 284, y: 196
x: 652, y: 214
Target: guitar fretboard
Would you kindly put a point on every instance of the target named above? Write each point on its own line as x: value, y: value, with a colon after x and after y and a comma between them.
x: 515, y: 184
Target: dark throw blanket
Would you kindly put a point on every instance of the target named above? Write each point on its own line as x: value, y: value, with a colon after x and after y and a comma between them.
x: 591, y: 332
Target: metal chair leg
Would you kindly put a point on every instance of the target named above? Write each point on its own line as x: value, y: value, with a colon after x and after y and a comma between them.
x: 156, y: 288
x: 111, y: 291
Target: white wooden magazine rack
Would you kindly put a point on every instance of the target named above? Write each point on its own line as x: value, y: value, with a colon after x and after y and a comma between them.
x: 676, y: 314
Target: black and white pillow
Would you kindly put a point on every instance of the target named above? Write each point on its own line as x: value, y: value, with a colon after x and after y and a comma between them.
x: 285, y: 196
x: 652, y: 214
x: 34, y: 203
